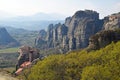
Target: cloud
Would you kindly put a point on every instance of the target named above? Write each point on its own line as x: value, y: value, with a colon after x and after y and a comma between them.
x: 117, y: 7
x: 67, y: 7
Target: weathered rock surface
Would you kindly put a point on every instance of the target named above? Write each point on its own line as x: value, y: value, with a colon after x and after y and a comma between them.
x: 109, y: 33
x: 74, y: 33
x: 82, y: 25
x: 6, y: 40
x: 40, y: 40
x: 103, y: 38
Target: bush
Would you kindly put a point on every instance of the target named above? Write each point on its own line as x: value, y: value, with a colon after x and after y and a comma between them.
x: 103, y: 64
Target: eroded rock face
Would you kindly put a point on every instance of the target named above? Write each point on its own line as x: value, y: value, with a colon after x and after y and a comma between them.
x: 75, y: 32
x: 42, y: 34
x: 112, y: 22
x: 40, y: 40
x: 103, y: 38
x: 110, y: 32
x: 82, y: 25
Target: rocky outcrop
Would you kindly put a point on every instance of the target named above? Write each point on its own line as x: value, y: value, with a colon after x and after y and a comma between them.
x: 75, y: 32
x: 112, y: 22
x: 26, y: 56
x: 55, y: 35
x: 6, y: 40
x: 42, y: 34
x: 40, y: 40
x: 103, y: 38
x: 109, y: 33
x: 82, y: 25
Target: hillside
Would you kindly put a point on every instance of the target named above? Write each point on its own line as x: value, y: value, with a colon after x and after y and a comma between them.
x: 8, y: 60
x: 6, y: 40
x: 23, y: 36
x: 9, y: 50
x: 102, y: 64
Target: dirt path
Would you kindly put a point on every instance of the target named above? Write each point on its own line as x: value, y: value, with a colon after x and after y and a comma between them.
x: 6, y: 77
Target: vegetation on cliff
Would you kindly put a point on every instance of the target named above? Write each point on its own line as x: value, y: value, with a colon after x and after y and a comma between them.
x: 103, y: 64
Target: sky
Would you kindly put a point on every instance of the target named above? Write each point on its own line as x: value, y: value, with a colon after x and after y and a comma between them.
x: 65, y: 7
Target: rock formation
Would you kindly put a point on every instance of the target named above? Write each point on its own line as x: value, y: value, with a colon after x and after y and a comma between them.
x: 109, y: 33
x: 75, y: 32
x: 40, y: 40
x: 6, y: 40
x: 26, y: 56
x: 83, y: 24
x: 103, y: 38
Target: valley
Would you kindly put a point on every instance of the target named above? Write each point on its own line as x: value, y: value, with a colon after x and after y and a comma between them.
x: 38, y: 41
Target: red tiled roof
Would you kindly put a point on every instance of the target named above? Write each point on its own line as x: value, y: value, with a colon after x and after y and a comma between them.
x: 25, y: 64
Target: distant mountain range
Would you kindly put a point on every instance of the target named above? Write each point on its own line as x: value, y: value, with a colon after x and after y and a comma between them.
x: 24, y: 37
x: 33, y: 22
x: 29, y: 25
x: 40, y: 17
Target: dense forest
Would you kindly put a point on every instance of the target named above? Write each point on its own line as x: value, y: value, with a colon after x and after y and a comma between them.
x: 103, y: 64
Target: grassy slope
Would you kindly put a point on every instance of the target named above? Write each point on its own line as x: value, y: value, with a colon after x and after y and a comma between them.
x: 26, y: 38
x: 9, y: 50
x: 8, y: 57
x: 103, y: 64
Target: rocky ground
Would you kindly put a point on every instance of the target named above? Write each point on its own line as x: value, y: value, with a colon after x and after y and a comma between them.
x: 5, y: 76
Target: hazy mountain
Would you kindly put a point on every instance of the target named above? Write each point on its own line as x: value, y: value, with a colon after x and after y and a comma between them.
x: 40, y: 17
x: 29, y: 25
x: 6, y: 40
x: 33, y: 22
x: 24, y: 37
x: 16, y: 31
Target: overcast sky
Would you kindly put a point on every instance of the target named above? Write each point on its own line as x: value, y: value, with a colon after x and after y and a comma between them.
x: 65, y: 7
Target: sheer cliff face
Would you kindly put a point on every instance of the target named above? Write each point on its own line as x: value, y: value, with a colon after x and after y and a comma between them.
x: 75, y: 32
x: 83, y: 24
x: 6, y: 40
x: 112, y: 22
x: 103, y: 38
x: 110, y: 32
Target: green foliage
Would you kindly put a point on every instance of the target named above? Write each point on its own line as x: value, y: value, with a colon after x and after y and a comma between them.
x: 103, y: 64
x: 25, y: 38
x: 8, y: 60
x: 8, y: 57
